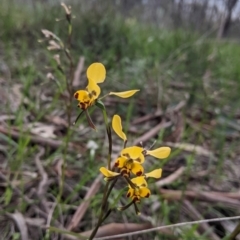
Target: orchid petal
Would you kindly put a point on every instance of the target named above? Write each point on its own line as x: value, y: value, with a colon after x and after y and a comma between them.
x: 125, y: 94
x: 96, y: 72
x: 157, y: 173
x: 82, y: 96
x: 117, y: 127
x: 93, y: 89
x: 139, y: 181
x: 137, y: 169
x: 134, y: 153
x: 162, y: 152
x: 144, y: 192
x: 107, y: 173
x: 120, y: 162
x: 130, y: 192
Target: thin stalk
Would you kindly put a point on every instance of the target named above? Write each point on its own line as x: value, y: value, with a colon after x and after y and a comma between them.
x: 64, y: 165
x: 107, y: 190
x: 109, y: 134
x: 235, y: 232
x: 101, y: 213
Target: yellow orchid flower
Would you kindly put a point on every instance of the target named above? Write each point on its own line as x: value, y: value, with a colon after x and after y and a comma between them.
x: 131, y: 158
x: 140, y: 190
x: 130, y: 161
x: 96, y: 73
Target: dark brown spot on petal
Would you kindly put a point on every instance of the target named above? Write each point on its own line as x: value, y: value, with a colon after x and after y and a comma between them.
x: 147, y: 195
x: 82, y: 105
x: 128, y: 194
x: 139, y: 173
x: 94, y: 93
x: 116, y: 164
x: 138, y: 159
x: 76, y: 95
x: 126, y: 155
x: 136, y: 199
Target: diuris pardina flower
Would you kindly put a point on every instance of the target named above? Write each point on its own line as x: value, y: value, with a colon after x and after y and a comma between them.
x: 96, y: 73
x: 138, y: 189
x: 132, y: 158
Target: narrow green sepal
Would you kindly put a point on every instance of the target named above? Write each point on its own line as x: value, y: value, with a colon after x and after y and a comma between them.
x: 100, y: 105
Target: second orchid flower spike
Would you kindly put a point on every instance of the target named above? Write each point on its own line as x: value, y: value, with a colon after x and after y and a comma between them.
x: 132, y: 157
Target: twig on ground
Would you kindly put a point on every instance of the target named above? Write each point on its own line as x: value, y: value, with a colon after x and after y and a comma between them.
x: 18, y: 218
x: 44, y: 181
x: 171, y: 178
x: 55, y: 144
x: 117, y: 228
x: 78, y: 215
x: 202, y: 196
x: 141, y: 232
x: 154, y: 131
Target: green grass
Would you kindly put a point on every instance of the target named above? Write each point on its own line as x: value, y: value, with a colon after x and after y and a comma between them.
x: 136, y: 55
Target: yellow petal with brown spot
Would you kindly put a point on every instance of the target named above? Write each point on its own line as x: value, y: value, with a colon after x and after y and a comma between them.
x: 134, y: 153
x: 144, y: 192
x: 82, y: 96
x: 139, y: 181
x: 137, y: 169
x: 120, y: 162
x: 93, y: 89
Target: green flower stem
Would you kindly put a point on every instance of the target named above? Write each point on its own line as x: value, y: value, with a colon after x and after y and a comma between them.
x: 108, y: 193
x: 235, y: 232
x: 107, y: 189
x: 109, y: 134
x: 102, y: 217
x: 130, y: 182
x: 101, y: 213
x: 67, y: 140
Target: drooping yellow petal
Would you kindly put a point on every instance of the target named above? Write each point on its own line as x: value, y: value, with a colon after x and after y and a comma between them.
x: 117, y: 127
x: 162, y: 152
x: 157, y: 173
x: 137, y: 169
x: 144, y: 192
x: 108, y: 173
x: 125, y: 94
x: 120, y: 162
x: 139, y: 181
x: 81, y: 95
x: 93, y: 89
x: 134, y: 153
x: 96, y: 72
